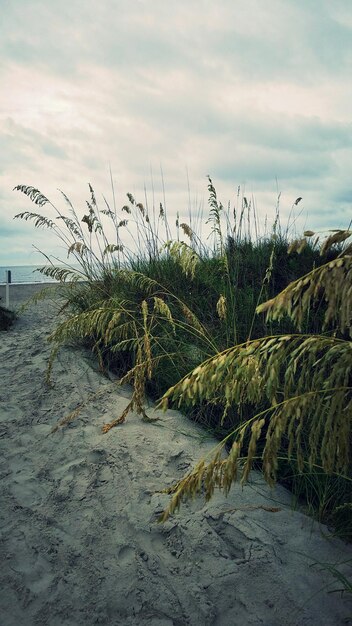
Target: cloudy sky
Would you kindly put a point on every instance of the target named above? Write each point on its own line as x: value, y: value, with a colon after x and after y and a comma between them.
x: 255, y: 93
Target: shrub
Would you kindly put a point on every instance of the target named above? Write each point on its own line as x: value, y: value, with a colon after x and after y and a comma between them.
x: 303, y: 380
x: 275, y: 388
x: 7, y: 318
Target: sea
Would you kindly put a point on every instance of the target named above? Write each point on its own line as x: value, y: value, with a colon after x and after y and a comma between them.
x: 23, y: 274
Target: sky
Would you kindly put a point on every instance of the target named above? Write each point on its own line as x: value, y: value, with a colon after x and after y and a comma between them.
x: 257, y: 94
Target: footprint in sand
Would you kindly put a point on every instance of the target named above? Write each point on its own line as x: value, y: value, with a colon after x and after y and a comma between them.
x: 97, y: 456
x: 126, y: 556
x: 28, y: 493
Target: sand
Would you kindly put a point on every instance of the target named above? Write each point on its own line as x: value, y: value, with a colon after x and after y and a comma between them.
x: 80, y: 544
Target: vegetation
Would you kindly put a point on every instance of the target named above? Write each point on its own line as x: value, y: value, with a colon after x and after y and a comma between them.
x: 303, y: 380
x: 250, y: 341
x: 7, y: 318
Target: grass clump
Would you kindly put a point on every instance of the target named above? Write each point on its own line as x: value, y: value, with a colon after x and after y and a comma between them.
x: 7, y: 318
x: 304, y: 382
x: 250, y: 341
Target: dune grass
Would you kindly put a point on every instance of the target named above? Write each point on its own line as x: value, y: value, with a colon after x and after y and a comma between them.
x: 182, y: 316
x: 7, y: 318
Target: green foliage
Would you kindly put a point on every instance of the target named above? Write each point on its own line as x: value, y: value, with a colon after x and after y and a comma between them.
x: 333, y: 279
x: 178, y: 318
x: 305, y: 381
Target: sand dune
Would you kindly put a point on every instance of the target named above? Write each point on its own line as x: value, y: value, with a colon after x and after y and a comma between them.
x: 80, y: 544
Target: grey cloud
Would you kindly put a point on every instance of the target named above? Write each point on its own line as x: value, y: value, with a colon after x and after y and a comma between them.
x: 300, y: 41
x: 19, y: 142
x: 268, y: 164
x: 291, y: 40
x: 17, y: 238
x: 51, y: 148
x: 308, y: 138
x: 328, y: 38
x: 298, y: 133
x: 344, y: 196
x: 10, y: 230
x: 63, y: 37
x: 295, y: 133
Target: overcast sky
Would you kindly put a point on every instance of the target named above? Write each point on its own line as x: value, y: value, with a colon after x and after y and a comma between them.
x: 255, y: 93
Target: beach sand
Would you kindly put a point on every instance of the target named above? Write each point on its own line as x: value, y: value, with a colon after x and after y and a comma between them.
x: 79, y: 542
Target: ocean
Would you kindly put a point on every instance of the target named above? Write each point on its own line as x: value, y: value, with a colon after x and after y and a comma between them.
x: 23, y: 274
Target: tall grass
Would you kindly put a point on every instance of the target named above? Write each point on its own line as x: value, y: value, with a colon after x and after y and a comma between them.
x: 159, y: 304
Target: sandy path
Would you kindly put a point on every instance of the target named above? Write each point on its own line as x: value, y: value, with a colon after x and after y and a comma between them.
x: 79, y: 541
